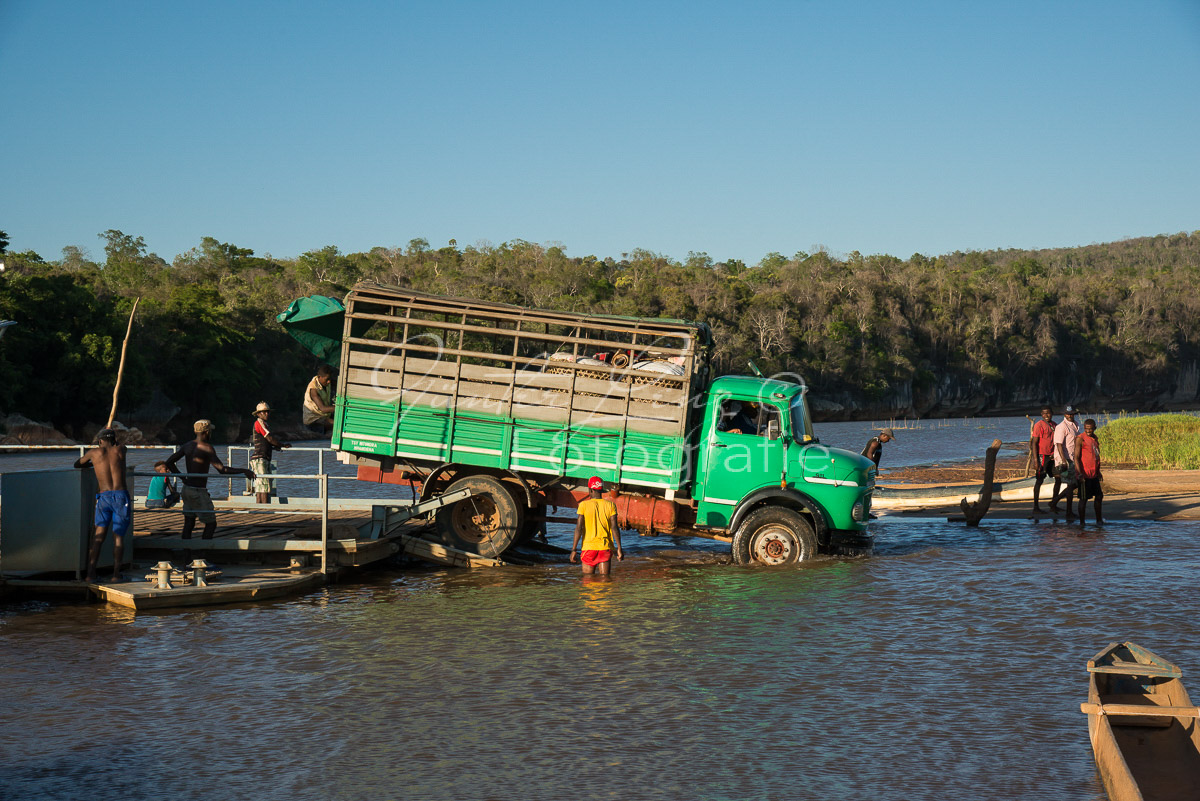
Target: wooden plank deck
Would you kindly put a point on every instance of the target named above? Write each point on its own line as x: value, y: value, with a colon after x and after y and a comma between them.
x: 254, y: 537
x: 235, y: 585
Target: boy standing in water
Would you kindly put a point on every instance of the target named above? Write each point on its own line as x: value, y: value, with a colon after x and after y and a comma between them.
x: 597, y: 524
x: 113, y: 506
x: 1087, y: 462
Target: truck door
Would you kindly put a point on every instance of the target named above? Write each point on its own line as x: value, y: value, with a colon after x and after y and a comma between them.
x: 744, y: 452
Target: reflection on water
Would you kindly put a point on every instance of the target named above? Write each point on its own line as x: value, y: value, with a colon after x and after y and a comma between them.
x: 950, y: 663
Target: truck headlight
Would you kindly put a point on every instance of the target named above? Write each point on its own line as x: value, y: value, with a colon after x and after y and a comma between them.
x: 860, y: 511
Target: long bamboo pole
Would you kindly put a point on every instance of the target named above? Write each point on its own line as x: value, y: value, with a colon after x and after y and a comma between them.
x: 121, y: 367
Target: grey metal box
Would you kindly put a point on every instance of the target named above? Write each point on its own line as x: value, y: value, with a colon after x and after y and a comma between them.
x: 46, y: 522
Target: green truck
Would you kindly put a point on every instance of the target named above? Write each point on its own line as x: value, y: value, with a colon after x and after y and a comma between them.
x: 522, y: 406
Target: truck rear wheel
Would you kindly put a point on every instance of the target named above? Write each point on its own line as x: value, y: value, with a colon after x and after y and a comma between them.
x: 486, y: 523
x: 774, y: 535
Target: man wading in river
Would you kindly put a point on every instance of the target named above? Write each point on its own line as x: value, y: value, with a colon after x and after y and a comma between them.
x: 113, y: 505
x: 597, y: 524
x: 198, y: 455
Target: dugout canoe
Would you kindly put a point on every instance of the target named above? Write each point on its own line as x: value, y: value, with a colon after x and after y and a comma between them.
x: 901, y: 496
x: 1143, y: 726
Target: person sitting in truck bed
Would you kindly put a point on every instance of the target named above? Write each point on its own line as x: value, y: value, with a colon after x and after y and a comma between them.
x: 317, y: 408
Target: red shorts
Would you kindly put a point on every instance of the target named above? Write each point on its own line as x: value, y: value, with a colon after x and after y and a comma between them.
x: 595, y: 557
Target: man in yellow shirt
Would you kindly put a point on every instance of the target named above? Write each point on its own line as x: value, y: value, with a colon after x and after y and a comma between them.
x: 597, y: 524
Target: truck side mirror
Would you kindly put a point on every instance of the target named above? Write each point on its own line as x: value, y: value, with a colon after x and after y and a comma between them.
x: 773, y: 428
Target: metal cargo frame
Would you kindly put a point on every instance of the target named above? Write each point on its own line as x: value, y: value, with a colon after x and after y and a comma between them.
x: 437, y: 379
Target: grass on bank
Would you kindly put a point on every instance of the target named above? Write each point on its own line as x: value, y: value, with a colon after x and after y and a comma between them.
x: 1153, y: 442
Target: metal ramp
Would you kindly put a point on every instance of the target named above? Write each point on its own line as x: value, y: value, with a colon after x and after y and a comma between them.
x: 387, y: 522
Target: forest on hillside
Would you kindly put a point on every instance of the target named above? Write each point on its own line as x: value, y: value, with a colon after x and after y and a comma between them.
x: 872, y: 336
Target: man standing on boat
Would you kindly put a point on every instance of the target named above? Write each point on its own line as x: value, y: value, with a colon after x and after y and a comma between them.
x: 874, y: 448
x: 318, y: 409
x: 1064, y: 453
x: 264, y: 444
x: 597, y: 525
x: 1087, y: 462
x: 1041, y: 443
x: 198, y: 455
x: 114, y: 508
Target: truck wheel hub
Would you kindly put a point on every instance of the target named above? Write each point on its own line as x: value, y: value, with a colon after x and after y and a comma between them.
x: 773, y: 547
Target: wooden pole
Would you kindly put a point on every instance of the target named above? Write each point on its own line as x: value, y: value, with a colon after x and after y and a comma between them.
x: 121, y: 367
x: 974, y: 512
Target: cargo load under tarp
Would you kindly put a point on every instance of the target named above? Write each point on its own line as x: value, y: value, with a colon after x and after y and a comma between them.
x: 317, y: 323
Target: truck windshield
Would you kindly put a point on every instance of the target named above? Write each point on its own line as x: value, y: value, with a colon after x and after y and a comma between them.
x: 802, y: 428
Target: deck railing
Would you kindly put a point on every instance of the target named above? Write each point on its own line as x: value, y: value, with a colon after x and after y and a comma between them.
x: 321, y: 477
x: 322, y: 483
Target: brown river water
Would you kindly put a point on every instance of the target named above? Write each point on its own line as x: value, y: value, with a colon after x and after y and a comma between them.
x: 949, y: 663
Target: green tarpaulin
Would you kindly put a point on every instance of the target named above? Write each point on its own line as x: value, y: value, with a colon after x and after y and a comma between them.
x: 316, y: 323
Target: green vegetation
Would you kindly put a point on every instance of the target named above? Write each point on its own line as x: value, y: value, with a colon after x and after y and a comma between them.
x: 1116, y: 319
x: 1155, y: 442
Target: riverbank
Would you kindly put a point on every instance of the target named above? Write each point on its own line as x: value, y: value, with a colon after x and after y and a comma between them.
x: 1130, y: 494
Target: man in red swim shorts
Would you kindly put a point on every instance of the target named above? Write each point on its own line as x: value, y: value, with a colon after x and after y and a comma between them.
x: 597, y: 524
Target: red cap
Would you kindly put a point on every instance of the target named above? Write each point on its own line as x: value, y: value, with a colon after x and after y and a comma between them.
x: 595, y: 483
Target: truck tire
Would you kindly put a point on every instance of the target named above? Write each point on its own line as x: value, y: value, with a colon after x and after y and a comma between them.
x: 486, y: 523
x: 774, y: 535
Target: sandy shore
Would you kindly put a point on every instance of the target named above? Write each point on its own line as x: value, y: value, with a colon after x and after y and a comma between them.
x: 1129, y: 494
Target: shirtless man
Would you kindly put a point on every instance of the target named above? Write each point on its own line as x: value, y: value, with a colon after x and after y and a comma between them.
x: 113, y: 506
x: 198, y: 455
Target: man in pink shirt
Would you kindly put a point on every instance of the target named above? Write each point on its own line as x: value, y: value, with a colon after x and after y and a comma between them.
x: 1064, y: 452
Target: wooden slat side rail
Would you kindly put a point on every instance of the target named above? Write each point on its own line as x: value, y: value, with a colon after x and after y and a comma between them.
x: 583, y: 339
x: 1140, y: 710
x: 394, y: 297
x: 378, y: 361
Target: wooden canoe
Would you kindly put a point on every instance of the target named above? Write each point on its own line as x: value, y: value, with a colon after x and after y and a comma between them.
x: 1143, y: 726
x: 902, y: 496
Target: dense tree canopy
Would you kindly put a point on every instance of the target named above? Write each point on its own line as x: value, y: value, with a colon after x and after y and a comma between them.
x: 876, y: 331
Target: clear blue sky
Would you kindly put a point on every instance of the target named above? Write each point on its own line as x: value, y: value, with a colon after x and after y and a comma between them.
x: 731, y: 128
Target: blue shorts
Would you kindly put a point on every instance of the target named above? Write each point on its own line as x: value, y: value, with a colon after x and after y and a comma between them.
x: 115, y: 509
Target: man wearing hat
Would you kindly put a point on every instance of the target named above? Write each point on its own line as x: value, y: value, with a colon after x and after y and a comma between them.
x: 874, y: 448
x: 264, y: 443
x: 198, y: 455
x: 1064, y: 453
x: 597, y: 525
x: 114, y: 507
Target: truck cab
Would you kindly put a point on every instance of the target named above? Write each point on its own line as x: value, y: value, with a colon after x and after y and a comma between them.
x: 764, y: 477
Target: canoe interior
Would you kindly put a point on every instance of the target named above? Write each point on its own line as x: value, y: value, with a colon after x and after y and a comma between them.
x: 1142, y: 757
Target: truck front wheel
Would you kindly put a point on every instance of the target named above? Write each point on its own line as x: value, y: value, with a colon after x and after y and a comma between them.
x: 486, y: 523
x: 774, y: 535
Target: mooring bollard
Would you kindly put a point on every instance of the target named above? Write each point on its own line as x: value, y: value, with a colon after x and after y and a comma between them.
x: 164, y: 575
x: 199, y: 577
